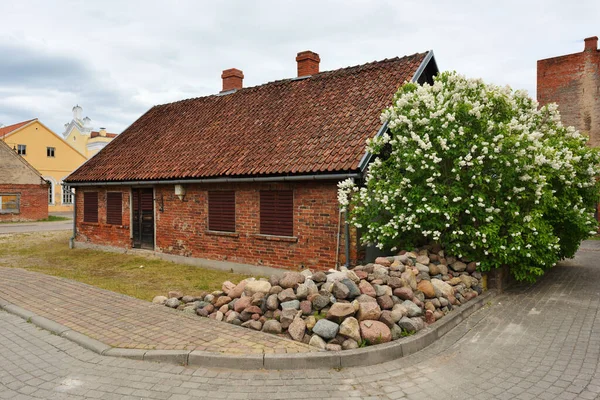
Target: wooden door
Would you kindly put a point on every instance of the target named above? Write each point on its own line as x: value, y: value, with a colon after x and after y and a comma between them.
x: 143, y: 218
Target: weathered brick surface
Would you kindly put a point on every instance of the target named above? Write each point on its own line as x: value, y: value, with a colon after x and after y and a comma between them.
x: 101, y: 232
x: 573, y: 82
x: 182, y: 226
x: 34, y: 202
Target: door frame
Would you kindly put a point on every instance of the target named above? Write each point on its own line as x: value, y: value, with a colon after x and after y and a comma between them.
x: 131, y: 216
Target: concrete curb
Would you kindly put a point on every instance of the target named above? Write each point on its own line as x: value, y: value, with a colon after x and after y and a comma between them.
x: 340, y: 359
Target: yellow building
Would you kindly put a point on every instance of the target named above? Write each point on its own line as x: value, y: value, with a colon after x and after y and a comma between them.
x: 79, y: 134
x: 47, y: 152
x: 53, y: 156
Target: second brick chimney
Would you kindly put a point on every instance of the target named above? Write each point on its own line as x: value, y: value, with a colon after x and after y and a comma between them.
x: 591, y: 43
x: 308, y: 63
x: 232, y: 79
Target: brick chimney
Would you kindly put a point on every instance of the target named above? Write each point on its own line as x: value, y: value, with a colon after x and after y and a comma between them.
x: 232, y: 79
x: 308, y: 63
x: 591, y: 43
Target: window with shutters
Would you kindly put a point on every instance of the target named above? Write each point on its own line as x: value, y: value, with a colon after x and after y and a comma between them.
x: 114, y: 208
x: 221, y: 210
x: 90, y: 207
x: 277, y: 212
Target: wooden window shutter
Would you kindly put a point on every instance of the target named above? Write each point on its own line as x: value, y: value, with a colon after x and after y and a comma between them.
x: 221, y: 210
x: 90, y: 207
x: 114, y: 208
x: 277, y: 212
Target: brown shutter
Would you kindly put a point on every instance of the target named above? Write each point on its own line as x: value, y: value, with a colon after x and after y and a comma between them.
x: 277, y: 212
x: 114, y: 208
x: 90, y: 207
x: 221, y: 210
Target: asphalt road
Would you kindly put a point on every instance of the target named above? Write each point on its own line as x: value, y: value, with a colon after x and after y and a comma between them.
x: 27, y: 227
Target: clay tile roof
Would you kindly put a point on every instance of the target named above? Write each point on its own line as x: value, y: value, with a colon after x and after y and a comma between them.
x: 5, y: 130
x: 293, y: 126
x: 94, y: 134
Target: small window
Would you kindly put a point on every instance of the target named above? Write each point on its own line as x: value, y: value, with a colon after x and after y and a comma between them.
x: 67, y: 194
x: 50, y: 193
x: 114, y: 208
x: 277, y: 212
x: 90, y: 207
x: 9, y: 203
x: 49, y: 151
x: 22, y: 149
x: 221, y: 210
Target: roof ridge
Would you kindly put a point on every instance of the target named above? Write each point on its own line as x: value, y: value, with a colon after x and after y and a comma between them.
x: 321, y: 74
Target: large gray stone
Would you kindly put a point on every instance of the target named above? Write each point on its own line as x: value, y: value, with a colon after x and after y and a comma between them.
x: 326, y: 329
x: 293, y: 304
x: 173, y: 302
x: 352, y: 287
x: 413, y: 309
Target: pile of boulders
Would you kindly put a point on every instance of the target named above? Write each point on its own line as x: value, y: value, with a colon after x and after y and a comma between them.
x: 345, y: 309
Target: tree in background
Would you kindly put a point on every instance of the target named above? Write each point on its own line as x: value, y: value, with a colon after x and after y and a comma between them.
x: 481, y: 170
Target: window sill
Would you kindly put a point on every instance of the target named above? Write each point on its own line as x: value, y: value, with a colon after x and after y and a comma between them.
x: 273, y: 238
x: 10, y: 212
x: 222, y: 233
x: 118, y: 226
x: 90, y: 223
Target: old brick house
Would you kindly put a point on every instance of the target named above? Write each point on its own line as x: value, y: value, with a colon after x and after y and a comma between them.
x: 23, y: 191
x: 573, y: 82
x: 248, y: 175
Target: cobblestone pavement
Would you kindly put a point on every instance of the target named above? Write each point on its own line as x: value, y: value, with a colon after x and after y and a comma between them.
x: 122, y: 321
x: 535, y: 342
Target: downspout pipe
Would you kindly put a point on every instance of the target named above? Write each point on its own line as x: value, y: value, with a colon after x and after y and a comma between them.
x: 72, y: 239
x: 347, y: 237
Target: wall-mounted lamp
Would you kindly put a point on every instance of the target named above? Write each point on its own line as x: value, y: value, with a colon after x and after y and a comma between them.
x: 180, y: 191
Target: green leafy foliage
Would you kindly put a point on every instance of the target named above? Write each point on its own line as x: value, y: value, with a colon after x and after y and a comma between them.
x: 483, y: 171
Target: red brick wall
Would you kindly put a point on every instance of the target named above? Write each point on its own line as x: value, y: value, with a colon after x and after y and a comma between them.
x: 33, y: 202
x: 182, y: 226
x: 573, y: 82
x: 101, y: 232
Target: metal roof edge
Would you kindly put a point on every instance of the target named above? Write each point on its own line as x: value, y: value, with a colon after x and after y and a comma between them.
x: 423, y: 65
x: 285, y: 178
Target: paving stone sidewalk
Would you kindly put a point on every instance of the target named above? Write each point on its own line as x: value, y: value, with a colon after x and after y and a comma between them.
x: 537, y: 341
x: 126, y: 322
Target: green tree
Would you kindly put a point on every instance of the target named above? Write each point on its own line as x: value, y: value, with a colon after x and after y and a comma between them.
x: 480, y: 169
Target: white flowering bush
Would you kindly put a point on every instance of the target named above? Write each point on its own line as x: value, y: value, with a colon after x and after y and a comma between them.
x: 481, y: 170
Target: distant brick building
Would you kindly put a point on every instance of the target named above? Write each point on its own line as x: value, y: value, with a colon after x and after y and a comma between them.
x: 23, y: 191
x: 248, y: 175
x: 573, y: 82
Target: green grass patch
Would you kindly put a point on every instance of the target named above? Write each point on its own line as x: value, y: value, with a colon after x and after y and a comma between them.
x: 133, y: 275
x: 595, y: 237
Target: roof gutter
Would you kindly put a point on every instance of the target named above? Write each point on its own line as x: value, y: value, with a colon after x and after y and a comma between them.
x: 291, y: 178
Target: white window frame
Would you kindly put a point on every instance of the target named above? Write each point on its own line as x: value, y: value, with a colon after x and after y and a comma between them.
x: 71, y: 194
x: 51, y: 190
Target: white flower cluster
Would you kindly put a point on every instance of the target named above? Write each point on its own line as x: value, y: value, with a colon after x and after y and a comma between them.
x: 473, y: 166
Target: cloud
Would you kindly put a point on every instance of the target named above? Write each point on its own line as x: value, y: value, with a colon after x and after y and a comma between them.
x: 117, y: 60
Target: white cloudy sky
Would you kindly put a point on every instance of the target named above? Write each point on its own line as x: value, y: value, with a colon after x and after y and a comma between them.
x: 118, y: 58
